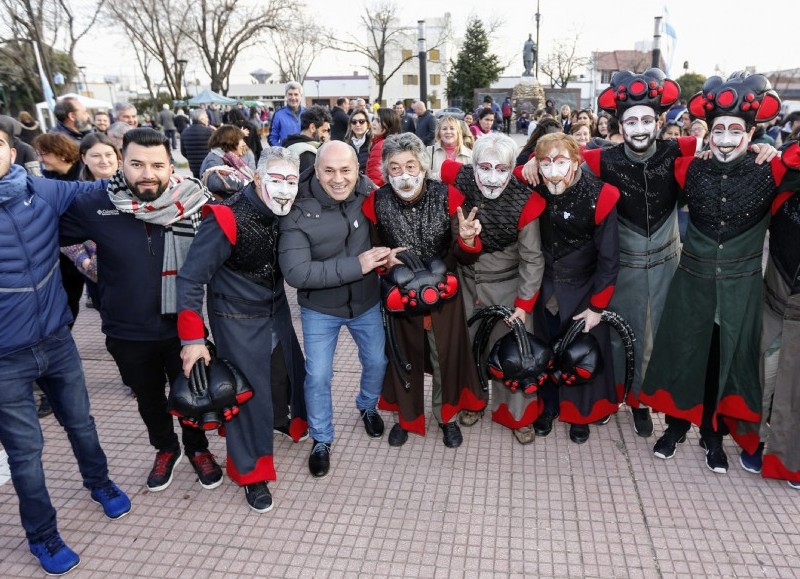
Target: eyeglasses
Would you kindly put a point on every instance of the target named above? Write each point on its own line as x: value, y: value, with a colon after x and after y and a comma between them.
x: 358, y: 121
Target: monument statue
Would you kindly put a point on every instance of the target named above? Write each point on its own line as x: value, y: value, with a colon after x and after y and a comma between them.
x: 529, y: 55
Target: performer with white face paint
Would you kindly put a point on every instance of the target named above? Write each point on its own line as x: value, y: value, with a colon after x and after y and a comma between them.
x: 580, y: 243
x: 235, y: 254
x: 509, y: 270
x: 704, y: 368
x: 426, y: 218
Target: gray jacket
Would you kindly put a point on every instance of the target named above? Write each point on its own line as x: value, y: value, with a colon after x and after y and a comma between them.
x: 320, y: 241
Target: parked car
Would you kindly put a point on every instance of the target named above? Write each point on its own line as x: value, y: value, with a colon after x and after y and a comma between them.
x: 452, y: 111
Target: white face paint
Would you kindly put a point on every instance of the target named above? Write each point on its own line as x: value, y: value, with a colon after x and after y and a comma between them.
x: 729, y: 138
x: 639, y: 128
x: 405, y: 175
x: 558, y: 170
x: 492, y: 175
x: 279, y: 186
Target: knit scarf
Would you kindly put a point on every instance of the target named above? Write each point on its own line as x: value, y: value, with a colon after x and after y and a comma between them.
x: 177, y: 210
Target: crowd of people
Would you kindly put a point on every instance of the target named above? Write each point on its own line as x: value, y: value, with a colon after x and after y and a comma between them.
x: 444, y: 249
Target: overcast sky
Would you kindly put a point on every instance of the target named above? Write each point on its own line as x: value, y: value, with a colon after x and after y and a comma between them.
x: 720, y: 38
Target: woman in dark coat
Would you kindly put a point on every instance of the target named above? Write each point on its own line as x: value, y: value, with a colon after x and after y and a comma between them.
x: 359, y: 136
x: 580, y: 242
x: 425, y: 217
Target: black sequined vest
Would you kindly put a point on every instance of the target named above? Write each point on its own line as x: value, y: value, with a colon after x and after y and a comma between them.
x: 726, y: 199
x: 567, y: 223
x: 784, y: 231
x: 255, y: 255
x: 648, y: 190
x: 422, y: 226
x: 499, y: 217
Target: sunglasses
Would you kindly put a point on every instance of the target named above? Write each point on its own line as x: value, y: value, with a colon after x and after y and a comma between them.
x: 358, y: 121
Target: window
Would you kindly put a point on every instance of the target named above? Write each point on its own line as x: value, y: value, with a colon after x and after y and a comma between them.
x: 407, y: 54
x: 605, y: 76
x: 410, y: 79
x: 436, y: 79
x: 433, y: 55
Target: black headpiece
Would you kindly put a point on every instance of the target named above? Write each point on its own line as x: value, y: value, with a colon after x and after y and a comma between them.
x: 651, y: 88
x: 744, y: 95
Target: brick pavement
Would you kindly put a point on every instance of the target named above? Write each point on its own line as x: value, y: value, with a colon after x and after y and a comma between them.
x: 607, y: 508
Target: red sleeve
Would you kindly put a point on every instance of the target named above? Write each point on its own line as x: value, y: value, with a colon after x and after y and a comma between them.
x: 449, y: 171
x: 374, y: 164
x: 592, y: 158
x: 606, y: 201
x: 224, y: 216
x: 779, y: 200
x: 791, y: 155
x: 455, y: 199
x: 688, y: 146
x: 778, y: 170
x: 532, y: 210
x: 681, y: 167
x: 368, y: 207
x: 190, y: 325
x: 600, y: 301
x: 477, y: 249
x: 518, y: 173
x: 526, y: 305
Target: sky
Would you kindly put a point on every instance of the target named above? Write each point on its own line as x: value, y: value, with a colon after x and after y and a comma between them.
x: 710, y: 41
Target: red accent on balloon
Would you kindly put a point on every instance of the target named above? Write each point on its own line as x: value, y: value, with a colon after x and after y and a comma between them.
x: 430, y: 295
x: 394, y: 301
x: 583, y: 373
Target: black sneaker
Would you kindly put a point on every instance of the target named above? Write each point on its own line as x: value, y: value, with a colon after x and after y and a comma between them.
x: 319, y: 462
x: 258, y: 497
x: 373, y: 423
x: 161, y: 474
x: 716, y: 459
x: 579, y: 433
x: 208, y: 471
x: 284, y: 431
x: 544, y: 424
x: 397, y: 435
x: 642, y: 421
x: 666, y: 445
x: 44, y: 408
x: 451, y: 435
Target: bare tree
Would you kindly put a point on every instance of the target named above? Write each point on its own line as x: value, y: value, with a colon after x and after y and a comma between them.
x: 384, y: 36
x: 293, y: 48
x: 155, y: 29
x: 222, y: 29
x: 562, y: 62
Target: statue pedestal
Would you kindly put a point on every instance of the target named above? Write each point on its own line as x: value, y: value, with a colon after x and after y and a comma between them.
x: 527, y: 95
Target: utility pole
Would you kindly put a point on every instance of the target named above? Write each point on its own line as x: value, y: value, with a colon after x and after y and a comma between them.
x: 656, y: 63
x: 538, y: 46
x: 423, y: 62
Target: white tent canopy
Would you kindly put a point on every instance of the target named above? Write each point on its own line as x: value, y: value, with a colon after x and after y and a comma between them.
x: 45, y: 115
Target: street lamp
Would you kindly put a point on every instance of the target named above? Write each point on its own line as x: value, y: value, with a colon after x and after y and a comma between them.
x: 182, y: 62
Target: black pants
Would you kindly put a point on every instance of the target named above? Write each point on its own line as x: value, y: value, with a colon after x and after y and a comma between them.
x: 709, y: 397
x: 281, y: 388
x: 72, y: 281
x: 146, y: 367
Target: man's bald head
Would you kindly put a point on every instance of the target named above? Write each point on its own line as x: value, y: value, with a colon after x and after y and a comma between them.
x: 336, y: 168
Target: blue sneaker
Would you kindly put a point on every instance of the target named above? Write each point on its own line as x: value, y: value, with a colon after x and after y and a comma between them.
x: 54, y: 556
x: 115, y: 503
x: 752, y: 462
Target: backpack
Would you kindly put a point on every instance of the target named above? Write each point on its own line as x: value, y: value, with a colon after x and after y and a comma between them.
x: 507, y: 109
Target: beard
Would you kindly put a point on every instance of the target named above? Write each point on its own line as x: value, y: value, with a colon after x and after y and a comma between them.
x: 147, y: 196
x: 639, y: 146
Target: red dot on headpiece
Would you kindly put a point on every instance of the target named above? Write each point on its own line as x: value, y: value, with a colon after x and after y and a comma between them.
x: 653, y: 84
x: 623, y: 97
x: 709, y: 106
x: 623, y: 88
x: 745, y: 106
x: 638, y: 87
x: 726, y: 98
x: 660, y: 90
x: 749, y: 97
x: 653, y: 93
x: 755, y: 105
x: 710, y: 96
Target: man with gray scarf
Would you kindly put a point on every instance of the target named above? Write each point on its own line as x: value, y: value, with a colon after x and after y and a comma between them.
x: 143, y: 226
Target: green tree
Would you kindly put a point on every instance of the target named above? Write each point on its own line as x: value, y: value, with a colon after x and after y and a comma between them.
x: 475, y: 67
x: 691, y: 83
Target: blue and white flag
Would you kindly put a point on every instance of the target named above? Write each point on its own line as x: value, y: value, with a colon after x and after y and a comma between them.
x: 668, y: 40
x: 47, y: 90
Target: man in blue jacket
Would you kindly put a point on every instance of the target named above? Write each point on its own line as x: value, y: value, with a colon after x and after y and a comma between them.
x: 143, y: 225
x: 286, y: 121
x: 36, y: 345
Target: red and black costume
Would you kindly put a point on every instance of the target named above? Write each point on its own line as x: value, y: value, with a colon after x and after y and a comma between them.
x: 580, y: 243
x: 428, y: 227
x: 235, y: 255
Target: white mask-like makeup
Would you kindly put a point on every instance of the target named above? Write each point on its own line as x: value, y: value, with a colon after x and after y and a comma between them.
x: 558, y: 170
x: 279, y: 187
x: 729, y: 138
x: 492, y: 175
x: 639, y: 128
x: 406, y: 185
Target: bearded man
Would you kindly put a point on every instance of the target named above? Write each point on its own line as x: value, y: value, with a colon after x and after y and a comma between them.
x: 704, y: 368
x: 143, y: 226
x: 235, y: 254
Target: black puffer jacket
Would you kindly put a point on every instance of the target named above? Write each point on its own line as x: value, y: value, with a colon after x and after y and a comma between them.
x: 194, y: 145
x: 320, y: 241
